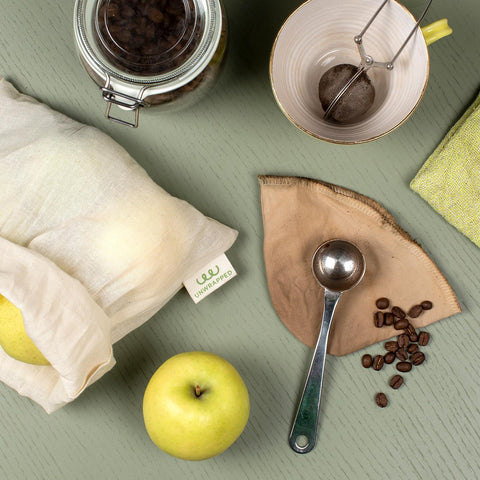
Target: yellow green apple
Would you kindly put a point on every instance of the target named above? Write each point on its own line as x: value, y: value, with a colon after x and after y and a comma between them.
x: 14, y: 339
x: 195, y: 405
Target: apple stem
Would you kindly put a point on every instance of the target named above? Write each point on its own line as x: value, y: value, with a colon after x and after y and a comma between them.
x: 198, y: 391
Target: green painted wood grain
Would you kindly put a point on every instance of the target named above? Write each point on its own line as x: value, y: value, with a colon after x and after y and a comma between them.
x: 211, y: 155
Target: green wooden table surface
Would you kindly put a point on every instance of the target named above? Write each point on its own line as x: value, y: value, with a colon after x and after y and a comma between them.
x: 211, y: 155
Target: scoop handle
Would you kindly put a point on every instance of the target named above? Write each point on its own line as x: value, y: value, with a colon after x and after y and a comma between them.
x: 304, y: 431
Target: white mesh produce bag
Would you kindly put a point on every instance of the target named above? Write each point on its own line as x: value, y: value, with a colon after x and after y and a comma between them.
x: 72, y: 195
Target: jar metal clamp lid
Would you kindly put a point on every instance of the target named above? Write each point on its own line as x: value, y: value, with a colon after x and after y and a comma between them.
x: 123, y: 101
x: 140, y: 51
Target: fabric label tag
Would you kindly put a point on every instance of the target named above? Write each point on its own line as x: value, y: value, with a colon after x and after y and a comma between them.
x: 209, y: 278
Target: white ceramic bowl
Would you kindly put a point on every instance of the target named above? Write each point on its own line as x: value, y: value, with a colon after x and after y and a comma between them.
x: 319, y: 35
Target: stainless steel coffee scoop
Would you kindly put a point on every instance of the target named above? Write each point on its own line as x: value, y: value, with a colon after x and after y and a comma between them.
x: 338, y: 266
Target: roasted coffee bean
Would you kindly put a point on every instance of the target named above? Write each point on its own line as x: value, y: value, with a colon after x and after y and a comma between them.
x: 400, y: 324
x: 417, y: 358
x: 403, y: 340
x: 378, y: 362
x: 396, y: 381
x: 413, y: 337
x: 382, y: 303
x: 379, y: 319
x: 389, y: 357
x: 128, y: 11
x: 391, y: 346
x: 155, y: 15
x: 415, y: 311
x: 398, y: 312
x: 113, y: 9
x: 423, y: 338
x: 388, y: 318
x: 367, y: 360
x: 412, y: 348
x: 410, y: 330
x: 381, y: 400
x: 401, y: 354
x: 404, y: 366
x: 427, y: 305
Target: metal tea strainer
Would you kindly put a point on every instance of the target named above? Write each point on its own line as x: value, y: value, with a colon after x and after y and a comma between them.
x: 367, y: 61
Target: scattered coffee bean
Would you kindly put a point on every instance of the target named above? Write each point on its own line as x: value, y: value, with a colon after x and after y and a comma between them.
x: 367, y: 360
x: 396, y: 381
x: 404, y: 366
x: 388, y: 318
x: 381, y: 400
x: 404, y: 347
x: 412, y: 348
x: 379, y: 319
x: 391, y: 346
x: 378, y: 362
x: 417, y: 358
x: 382, y: 303
x: 389, y: 357
x: 415, y: 311
x: 403, y: 340
x: 398, y: 312
x: 410, y: 330
x: 423, y: 338
x: 427, y: 305
x: 400, y: 324
x: 401, y: 354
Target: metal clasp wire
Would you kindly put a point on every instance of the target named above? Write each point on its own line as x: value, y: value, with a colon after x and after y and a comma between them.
x: 122, y: 100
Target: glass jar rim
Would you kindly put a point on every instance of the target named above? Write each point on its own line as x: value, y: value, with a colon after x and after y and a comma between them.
x: 183, y: 74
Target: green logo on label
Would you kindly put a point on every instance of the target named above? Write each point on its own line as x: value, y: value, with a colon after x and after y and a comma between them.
x: 210, y: 272
x: 213, y: 284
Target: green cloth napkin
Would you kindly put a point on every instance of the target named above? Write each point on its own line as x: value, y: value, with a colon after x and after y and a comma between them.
x: 450, y: 179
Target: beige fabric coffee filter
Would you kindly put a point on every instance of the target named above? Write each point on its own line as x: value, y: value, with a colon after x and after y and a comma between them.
x: 298, y: 215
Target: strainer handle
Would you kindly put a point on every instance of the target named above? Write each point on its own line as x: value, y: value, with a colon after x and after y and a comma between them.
x: 358, y: 38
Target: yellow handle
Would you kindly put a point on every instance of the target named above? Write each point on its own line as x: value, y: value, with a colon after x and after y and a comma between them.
x: 436, y: 30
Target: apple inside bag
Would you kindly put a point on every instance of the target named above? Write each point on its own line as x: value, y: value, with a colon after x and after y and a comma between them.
x: 76, y: 197
x: 71, y: 331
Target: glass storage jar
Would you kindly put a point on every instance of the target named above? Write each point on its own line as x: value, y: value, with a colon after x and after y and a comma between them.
x: 150, y: 52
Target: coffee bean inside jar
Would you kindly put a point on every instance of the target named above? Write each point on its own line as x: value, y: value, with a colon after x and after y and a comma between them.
x: 146, y: 37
